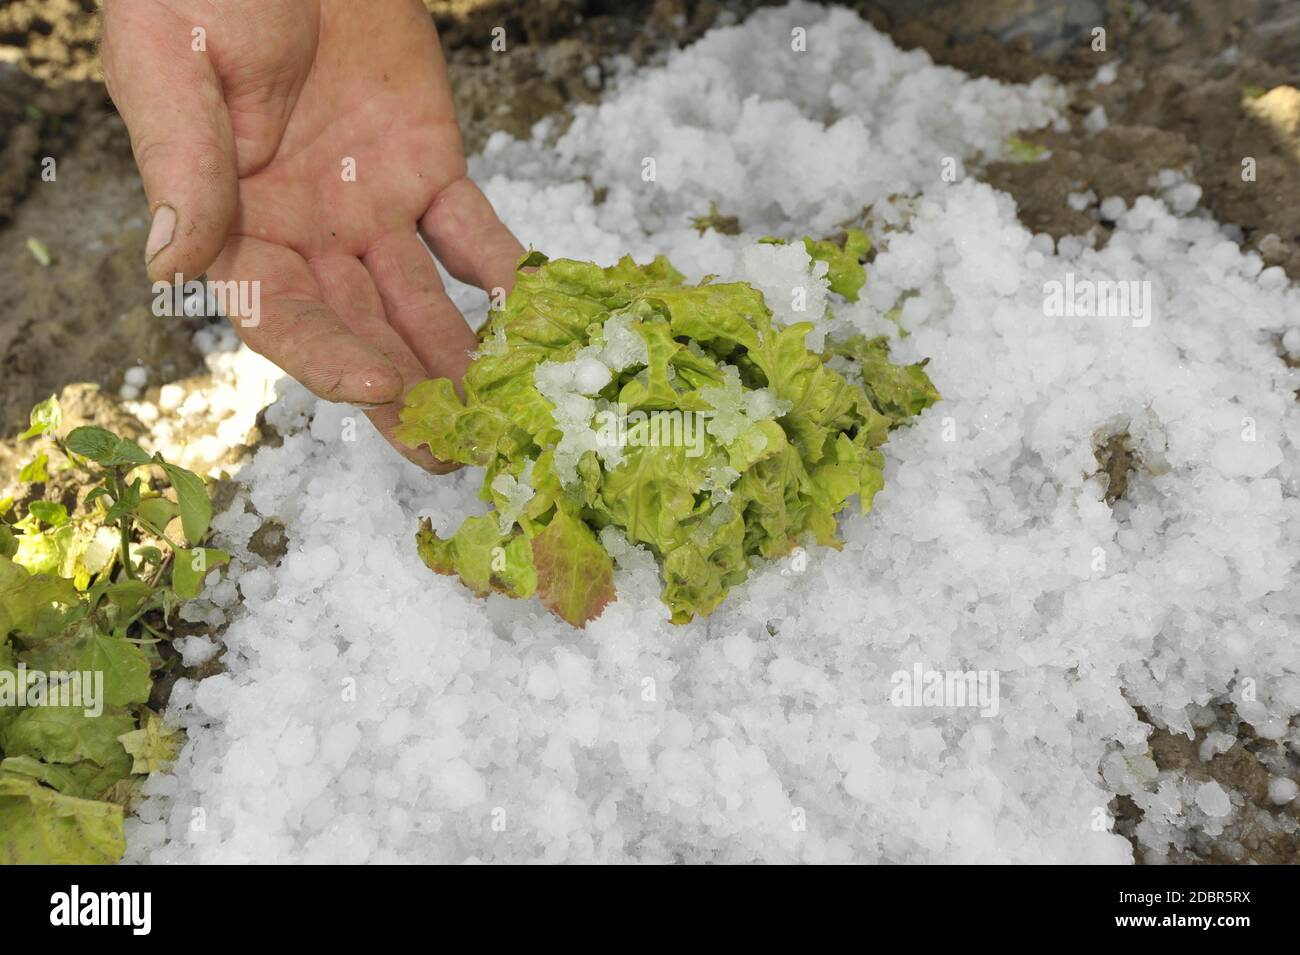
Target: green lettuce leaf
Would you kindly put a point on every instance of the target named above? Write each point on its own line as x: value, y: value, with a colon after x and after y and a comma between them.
x: 846, y: 275
x: 899, y: 392
x: 482, y: 556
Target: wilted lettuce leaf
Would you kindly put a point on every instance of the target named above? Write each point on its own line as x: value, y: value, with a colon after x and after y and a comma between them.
x: 652, y: 493
x: 705, y: 502
x: 154, y: 746
x: 825, y: 403
x: 39, y: 826
x: 66, y: 734
x: 26, y: 598
x: 575, y: 575
x: 435, y: 415
x: 85, y: 779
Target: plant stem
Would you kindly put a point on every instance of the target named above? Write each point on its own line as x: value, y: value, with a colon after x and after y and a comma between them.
x: 124, y: 525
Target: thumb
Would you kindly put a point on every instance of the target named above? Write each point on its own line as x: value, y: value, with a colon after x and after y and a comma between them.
x: 164, y: 84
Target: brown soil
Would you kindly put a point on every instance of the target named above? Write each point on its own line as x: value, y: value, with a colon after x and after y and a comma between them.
x: 53, y: 39
x: 1178, y: 103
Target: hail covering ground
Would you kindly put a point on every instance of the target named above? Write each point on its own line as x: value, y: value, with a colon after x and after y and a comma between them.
x: 371, y: 711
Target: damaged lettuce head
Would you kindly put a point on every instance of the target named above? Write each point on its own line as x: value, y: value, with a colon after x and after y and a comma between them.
x: 619, y: 407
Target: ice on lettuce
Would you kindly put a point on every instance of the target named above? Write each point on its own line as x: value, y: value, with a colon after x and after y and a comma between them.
x: 624, y: 404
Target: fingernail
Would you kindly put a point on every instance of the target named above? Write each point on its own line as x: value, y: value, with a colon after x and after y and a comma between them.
x: 161, y: 232
x: 363, y: 406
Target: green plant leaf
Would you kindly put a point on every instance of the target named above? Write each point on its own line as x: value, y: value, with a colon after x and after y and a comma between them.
x: 148, y: 554
x: 85, y: 779
x: 192, y: 567
x: 195, y: 505
x: 45, y: 419
x: 1021, y: 150
x: 128, y: 595
x: 105, y: 448
x: 124, y: 666
x: 126, y: 504
x: 40, y: 251
x: 698, y: 571
x: 435, y: 415
x: 899, y: 392
x: 156, y: 513
x: 36, y: 470
x: 48, y: 512
x: 482, y: 556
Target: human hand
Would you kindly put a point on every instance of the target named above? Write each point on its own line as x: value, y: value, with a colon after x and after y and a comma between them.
x: 244, y: 147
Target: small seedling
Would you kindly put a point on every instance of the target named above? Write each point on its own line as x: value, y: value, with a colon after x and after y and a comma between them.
x: 86, y: 596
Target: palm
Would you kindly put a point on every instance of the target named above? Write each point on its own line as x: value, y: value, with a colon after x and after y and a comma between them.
x: 357, y: 147
x: 337, y: 119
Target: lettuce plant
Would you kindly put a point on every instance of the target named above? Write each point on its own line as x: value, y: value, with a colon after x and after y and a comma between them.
x: 621, y: 407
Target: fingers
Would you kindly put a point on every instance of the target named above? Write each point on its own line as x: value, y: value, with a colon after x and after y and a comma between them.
x: 350, y: 292
x: 291, y: 325
x: 417, y: 305
x: 465, y: 234
x: 170, y: 97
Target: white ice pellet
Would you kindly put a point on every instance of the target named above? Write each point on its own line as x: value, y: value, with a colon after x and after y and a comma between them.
x: 296, y: 746
x: 1213, y: 799
x: 1291, y: 342
x: 256, y: 584
x: 1079, y: 201
x: 1112, y: 207
x: 1096, y: 120
x: 1282, y: 790
x: 196, y: 650
x: 170, y: 397
x: 543, y: 683
x: 590, y: 375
